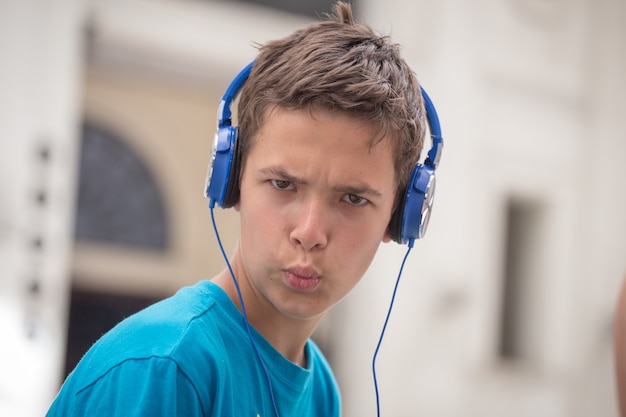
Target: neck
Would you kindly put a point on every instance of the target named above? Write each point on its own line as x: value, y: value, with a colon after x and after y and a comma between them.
x: 286, y: 334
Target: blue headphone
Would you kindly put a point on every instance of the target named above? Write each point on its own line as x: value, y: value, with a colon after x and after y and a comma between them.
x: 408, y: 222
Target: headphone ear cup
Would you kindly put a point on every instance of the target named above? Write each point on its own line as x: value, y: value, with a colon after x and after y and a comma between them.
x: 410, y: 219
x: 222, y: 179
x: 220, y: 166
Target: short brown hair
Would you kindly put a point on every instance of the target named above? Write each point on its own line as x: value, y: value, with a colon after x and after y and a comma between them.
x: 338, y: 65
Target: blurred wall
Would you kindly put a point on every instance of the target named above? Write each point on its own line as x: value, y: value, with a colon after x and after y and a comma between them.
x: 40, y: 77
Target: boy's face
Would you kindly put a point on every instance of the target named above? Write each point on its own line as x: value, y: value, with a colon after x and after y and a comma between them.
x: 315, y: 203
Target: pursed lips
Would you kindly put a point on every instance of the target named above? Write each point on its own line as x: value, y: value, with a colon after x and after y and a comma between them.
x: 302, y: 278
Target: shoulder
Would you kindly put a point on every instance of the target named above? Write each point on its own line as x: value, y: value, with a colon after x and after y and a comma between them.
x: 135, y: 387
x: 174, y: 348
x: 184, y: 329
x: 160, y: 328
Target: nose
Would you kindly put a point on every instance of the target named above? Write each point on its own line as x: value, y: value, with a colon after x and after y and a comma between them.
x: 310, y: 230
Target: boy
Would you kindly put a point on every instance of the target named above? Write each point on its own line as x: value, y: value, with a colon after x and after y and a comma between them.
x: 331, y: 125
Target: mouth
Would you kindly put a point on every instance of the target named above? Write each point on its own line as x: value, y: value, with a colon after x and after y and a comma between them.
x: 302, y: 279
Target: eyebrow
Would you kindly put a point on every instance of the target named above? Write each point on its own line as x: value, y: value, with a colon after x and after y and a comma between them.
x: 360, y: 189
x: 281, y: 173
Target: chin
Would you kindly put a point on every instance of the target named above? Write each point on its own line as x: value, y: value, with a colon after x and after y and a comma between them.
x: 301, y: 312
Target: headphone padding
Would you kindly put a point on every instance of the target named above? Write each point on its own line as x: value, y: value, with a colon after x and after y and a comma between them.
x: 395, y: 223
x: 231, y: 195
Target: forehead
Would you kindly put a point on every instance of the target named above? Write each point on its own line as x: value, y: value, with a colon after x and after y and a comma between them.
x: 310, y: 126
x: 369, y: 133
x: 321, y: 142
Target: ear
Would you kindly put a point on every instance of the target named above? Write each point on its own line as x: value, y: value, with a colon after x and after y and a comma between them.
x: 387, y: 236
x: 237, y: 205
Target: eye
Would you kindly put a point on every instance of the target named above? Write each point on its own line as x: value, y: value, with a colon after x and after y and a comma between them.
x: 282, y: 185
x: 355, y: 200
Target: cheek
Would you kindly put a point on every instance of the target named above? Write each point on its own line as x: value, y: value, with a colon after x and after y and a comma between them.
x: 360, y: 252
x: 256, y: 238
x: 259, y: 225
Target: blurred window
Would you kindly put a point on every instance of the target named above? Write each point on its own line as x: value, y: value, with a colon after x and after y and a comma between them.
x: 119, y: 201
x: 522, y: 308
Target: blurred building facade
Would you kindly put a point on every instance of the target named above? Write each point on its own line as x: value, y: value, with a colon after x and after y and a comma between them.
x: 106, y: 121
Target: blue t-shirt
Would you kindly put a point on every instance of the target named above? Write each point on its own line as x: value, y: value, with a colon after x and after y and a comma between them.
x: 190, y: 355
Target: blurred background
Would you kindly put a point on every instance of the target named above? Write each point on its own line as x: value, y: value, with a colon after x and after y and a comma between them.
x: 107, y: 114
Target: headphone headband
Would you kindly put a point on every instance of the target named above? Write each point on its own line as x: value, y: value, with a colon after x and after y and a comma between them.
x: 434, y: 154
x: 224, y: 114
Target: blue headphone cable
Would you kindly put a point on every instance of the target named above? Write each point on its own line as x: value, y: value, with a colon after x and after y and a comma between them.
x: 382, y: 333
x: 243, y: 312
